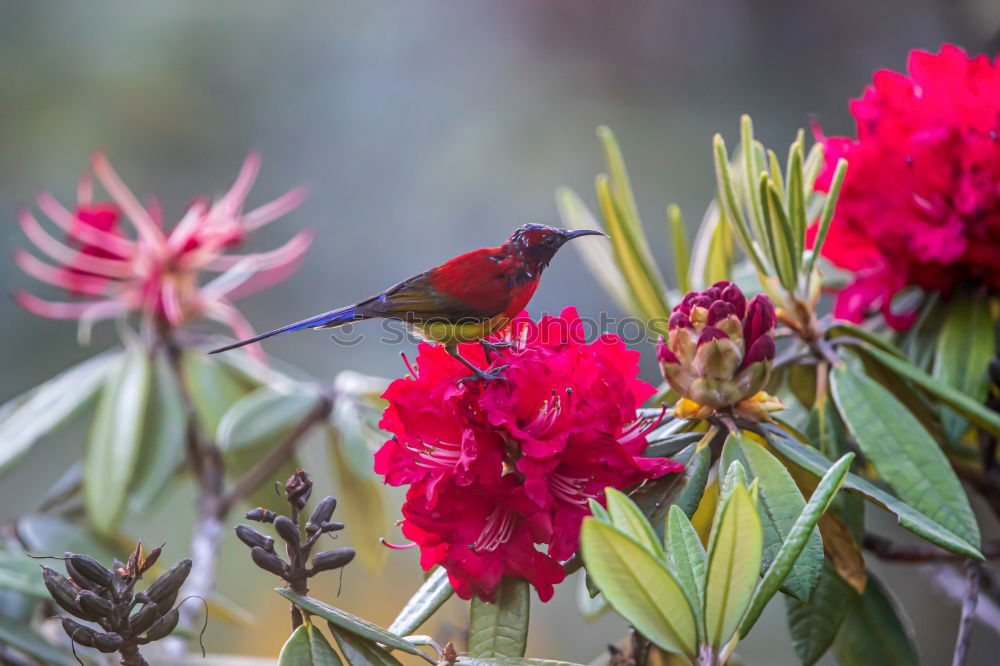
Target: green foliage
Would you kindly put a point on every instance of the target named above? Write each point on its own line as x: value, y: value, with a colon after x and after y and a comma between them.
x: 435, y: 591
x: 308, y: 647
x: 500, y: 628
x: 873, y: 632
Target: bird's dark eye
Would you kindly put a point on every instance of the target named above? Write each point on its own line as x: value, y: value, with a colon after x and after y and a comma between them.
x: 550, y: 240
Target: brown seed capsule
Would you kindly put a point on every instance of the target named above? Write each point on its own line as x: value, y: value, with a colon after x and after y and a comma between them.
x: 108, y: 643
x: 87, y: 572
x: 78, y: 633
x: 322, y: 512
x: 63, y: 592
x: 332, y: 559
x: 286, y: 529
x: 252, y: 537
x: 144, y: 618
x: 331, y: 527
x: 95, y: 605
x: 150, y: 560
x: 261, y: 515
x: 164, y: 589
x: 298, y: 488
x: 162, y: 627
x: 268, y: 561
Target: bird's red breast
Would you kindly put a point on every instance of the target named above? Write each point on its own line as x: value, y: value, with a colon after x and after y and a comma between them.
x: 488, y: 280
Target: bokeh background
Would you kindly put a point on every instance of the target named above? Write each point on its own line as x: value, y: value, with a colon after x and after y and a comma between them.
x: 422, y: 129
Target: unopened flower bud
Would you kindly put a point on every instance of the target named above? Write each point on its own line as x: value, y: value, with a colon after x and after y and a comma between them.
x: 332, y: 559
x: 252, y: 537
x: 268, y: 561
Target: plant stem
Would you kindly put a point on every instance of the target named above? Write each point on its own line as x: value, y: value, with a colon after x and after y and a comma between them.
x: 130, y: 656
x: 973, y: 572
x: 890, y: 550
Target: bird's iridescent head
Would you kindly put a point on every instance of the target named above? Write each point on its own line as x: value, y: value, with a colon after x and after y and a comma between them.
x: 538, y: 243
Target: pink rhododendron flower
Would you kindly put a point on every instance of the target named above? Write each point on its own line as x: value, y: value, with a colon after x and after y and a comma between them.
x: 117, y: 257
x: 496, y: 469
x: 920, y: 205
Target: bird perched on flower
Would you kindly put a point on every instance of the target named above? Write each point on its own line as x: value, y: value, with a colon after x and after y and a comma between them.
x: 466, y: 299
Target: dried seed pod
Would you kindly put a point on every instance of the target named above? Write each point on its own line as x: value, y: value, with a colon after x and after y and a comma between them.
x: 162, y: 627
x: 150, y: 560
x: 286, y: 529
x: 164, y: 589
x: 108, y: 643
x: 332, y: 559
x: 78, y: 633
x: 63, y: 592
x: 268, y: 561
x: 252, y: 537
x: 298, y: 488
x: 94, y: 604
x: 322, y: 513
x: 332, y: 526
x: 144, y: 618
x: 88, y: 572
x: 261, y: 515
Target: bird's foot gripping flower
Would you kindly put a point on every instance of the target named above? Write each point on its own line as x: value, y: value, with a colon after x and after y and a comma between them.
x: 719, y: 352
x: 497, y: 469
x: 113, y: 269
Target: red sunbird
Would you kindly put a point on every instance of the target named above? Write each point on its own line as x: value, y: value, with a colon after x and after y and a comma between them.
x: 466, y: 299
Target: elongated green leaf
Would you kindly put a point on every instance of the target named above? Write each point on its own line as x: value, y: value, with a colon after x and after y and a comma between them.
x: 906, y: 457
x: 627, y: 518
x: 781, y: 503
x: 213, y: 388
x: 733, y: 566
x: 802, y: 382
x: 346, y: 621
x: 873, y: 632
x: 500, y: 629
x: 639, y: 587
x: 361, y: 652
x: 695, y: 477
x: 363, y: 504
x: 682, y: 256
x: 813, y: 626
x: 114, y: 441
x: 826, y: 216
x: 812, y: 460
x: 796, y: 540
x: 796, y: 199
x: 21, y: 637
x: 161, y: 452
x: 29, y: 417
x: 730, y: 206
x: 428, y: 598
x: 845, y: 329
x: 308, y: 647
x: 687, y: 559
x: 20, y: 573
x: 262, y: 418
x: 965, y: 346
x: 591, y: 607
x: 600, y: 257
x: 975, y: 412
x: 686, y: 488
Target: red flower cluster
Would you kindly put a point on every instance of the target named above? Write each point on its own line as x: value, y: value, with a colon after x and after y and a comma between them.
x: 153, y: 270
x: 496, y: 468
x: 921, y: 201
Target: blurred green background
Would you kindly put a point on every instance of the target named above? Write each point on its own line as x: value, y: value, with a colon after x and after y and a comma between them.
x: 422, y: 129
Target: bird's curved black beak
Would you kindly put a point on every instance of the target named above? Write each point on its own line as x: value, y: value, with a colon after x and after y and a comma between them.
x: 576, y: 233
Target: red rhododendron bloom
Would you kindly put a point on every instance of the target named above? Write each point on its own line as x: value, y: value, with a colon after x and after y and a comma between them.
x: 921, y: 201
x: 114, y: 270
x: 496, y: 469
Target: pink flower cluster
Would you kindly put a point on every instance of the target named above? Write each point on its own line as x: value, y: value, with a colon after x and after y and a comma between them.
x: 495, y: 469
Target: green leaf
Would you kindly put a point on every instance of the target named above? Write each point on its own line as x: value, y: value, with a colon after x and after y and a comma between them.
x: 115, y: 440
x: 591, y: 607
x: 826, y: 216
x: 639, y: 587
x: 263, y: 418
x: 873, y: 632
x: 627, y: 517
x: 20, y: 573
x: 975, y: 412
x: 308, y: 647
x: 730, y: 206
x: 965, y: 346
x: 733, y: 566
x: 813, y: 461
x: 161, y: 452
x: 346, y: 621
x: 360, y: 652
x: 802, y: 382
x: 905, y: 456
x: 29, y: 417
x: 781, y: 503
x: 500, y: 629
x: 796, y: 540
x: 687, y: 558
x: 363, y: 504
x: 685, y: 488
x: 213, y: 388
x: 428, y: 598
x: 813, y: 626
x: 679, y: 242
x: 695, y: 477
x: 25, y: 639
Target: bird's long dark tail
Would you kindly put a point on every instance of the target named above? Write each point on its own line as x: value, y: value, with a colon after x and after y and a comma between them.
x: 326, y: 320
